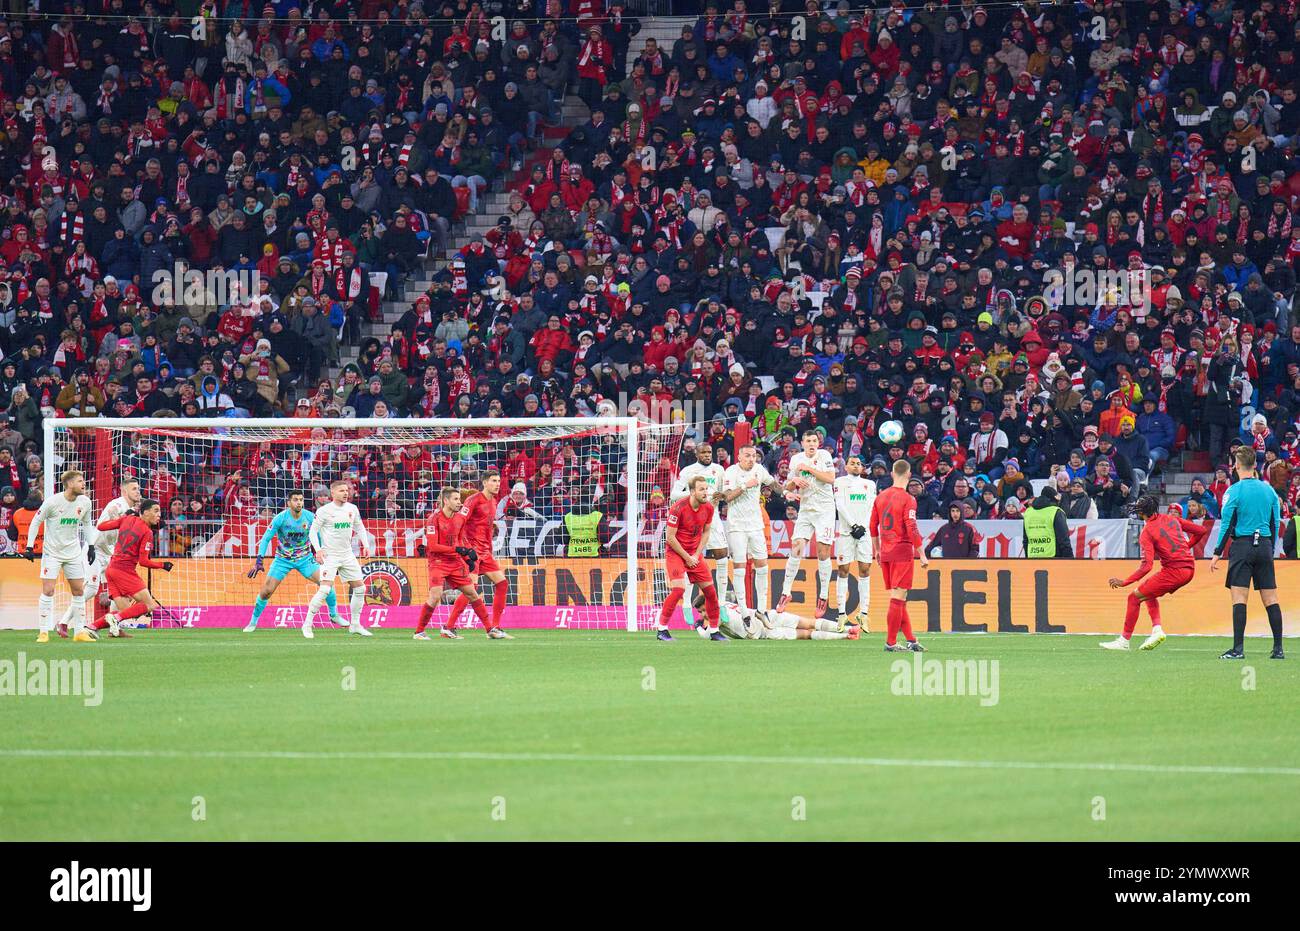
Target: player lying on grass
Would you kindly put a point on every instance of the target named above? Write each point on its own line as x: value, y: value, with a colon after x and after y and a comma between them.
x: 478, y: 516
x: 896, y: 541
x: 102, y: 552
x: 331, y: 538
x: 855, y: 495
x: 1172, y: 540
x: 64, y: 516
x: 450, y: 565
x: 131, y: 597
x: 291, y: 530
x: 688, y: 525
x: 742, y: 623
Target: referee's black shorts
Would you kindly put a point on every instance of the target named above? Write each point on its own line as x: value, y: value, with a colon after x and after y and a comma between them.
x: 1250, y: 562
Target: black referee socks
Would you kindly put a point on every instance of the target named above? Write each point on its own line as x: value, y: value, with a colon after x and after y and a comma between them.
x: 1275, y: 622
x: 1239, y: 625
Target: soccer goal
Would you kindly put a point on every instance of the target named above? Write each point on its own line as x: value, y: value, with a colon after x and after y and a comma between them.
x: 579, y: 526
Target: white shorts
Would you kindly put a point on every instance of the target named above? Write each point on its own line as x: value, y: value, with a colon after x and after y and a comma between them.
x: 747, y: 544
x: 72, y: 568
x: 95, y: 571
x: 849, y: 550
x: 347, y: 569
x: 815, y: 525
x: 717, y: 536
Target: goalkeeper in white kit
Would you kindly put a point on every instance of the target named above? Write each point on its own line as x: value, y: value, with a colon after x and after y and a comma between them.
x: 855, y: 494
x: 66, y: 517
x: 331, y: 537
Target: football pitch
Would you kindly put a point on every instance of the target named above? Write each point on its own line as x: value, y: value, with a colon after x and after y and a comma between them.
x: 217, y: 735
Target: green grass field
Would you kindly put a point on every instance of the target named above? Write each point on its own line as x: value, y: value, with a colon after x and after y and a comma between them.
x: 556, y: 736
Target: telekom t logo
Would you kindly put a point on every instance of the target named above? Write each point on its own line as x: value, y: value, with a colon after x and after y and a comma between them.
x: 284, y: 617
x: 378, y: 616
x: 563, y: 616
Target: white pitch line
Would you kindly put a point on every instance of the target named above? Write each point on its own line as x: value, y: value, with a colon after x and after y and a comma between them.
x: 639, y: 758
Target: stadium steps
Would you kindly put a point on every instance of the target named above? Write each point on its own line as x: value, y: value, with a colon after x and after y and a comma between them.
x: 492, y: 203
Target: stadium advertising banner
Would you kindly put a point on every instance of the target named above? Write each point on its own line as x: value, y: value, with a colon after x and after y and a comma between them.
x: 980, y: 595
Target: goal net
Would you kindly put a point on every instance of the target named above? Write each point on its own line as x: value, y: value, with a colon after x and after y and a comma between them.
x: 580, y: 513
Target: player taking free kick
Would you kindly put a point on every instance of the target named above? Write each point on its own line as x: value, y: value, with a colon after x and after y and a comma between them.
x: 450, y: 564
x: 478, y: 517
x: 896, y: 540
x: 688, y: 524
x: 290, y: 529
x: 1171, y: 540
x: 65, y: 516
x: 131, y: 597
x: 331, y: 537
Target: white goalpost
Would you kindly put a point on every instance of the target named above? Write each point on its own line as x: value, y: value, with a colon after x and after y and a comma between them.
x: 579, y: 528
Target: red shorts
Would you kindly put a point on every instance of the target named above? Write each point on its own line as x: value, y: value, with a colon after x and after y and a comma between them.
x: 898, y: 574
x: 486, y: 563
x: 699, y: 574
x: 1166, y: 582
x: 448, y: 576
x: 122, y: 584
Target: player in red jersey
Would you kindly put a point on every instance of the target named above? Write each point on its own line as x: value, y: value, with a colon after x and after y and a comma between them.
x: 897, y: 541
x: 1171, y: 540
x: 688, y: 525
x: 450, y: 564
x: 478, y: 518
x: 131, y: 597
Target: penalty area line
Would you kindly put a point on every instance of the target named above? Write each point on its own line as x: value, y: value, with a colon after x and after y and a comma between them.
x: 646, y: 758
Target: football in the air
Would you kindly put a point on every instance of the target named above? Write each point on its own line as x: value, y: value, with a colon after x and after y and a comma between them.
x: 890, y: 432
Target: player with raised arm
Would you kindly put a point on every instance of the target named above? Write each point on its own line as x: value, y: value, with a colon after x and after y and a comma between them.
x: 65, y: 517
x: 131, y: 597
x: 1171, y: 540
x: 896, y: 541
x: 101, y: 553
x: 712, y: 473
x: 291, y: 531
x: 812, y: 476
x: 331, y: 535
x: 450, y: 564
x: 689, y: 521
x: 478, y: 518
x: 855, y: 494
x: 742, y: 484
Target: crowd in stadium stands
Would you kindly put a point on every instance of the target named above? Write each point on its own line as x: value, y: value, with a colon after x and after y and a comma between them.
x: 1055, y: 241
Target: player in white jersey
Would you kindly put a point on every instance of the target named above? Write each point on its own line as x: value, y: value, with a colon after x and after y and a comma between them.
x: 331, y: 538
x: 742, y: 486
x: 812, y: 474
x: 128, y: 500
x: 715, y: 547
x: 741, y: 623
x: 854, y: 496
x: 67, y: 520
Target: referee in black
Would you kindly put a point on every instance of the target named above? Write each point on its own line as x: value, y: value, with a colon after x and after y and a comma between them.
x: 1252, y: 516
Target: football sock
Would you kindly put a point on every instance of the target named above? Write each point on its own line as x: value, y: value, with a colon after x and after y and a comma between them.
x: 791, y: 570
x: 905, y: 621
x: 738, y: 586
x: 826, y: 635
x: 258, y: 607
x: 842, y: 593
x: 864, y: 593
x: 761, y: 597
x: 892, y: 621
x: 45, y: 605
x: 358, y: 602
x: 480, y: 610
x: 670, y: 604
x: 500, y: 594
x: 720, y: 571
x: 426, y: 615
x: 457, y: 609
x: 313, y: 606
x: 1131, y: 614
x: 824, y: 570
x: 134, y: 611
x: 78, y: 611
x: 1238, y: 626
x: 711, y: 606
x: 826, y: 625
x: 1153, y: 608
x: 1275, y: 624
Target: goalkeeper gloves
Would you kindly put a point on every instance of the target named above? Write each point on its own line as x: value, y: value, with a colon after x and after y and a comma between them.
x: 465, y: 551
x: 90, y: 555
x: 257, y: 567
x: 857, y: 531
x: 30, y: 553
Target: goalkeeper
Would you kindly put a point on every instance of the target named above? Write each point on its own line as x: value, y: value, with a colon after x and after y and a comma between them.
x: 291, y: 530
x: 741, y: 623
